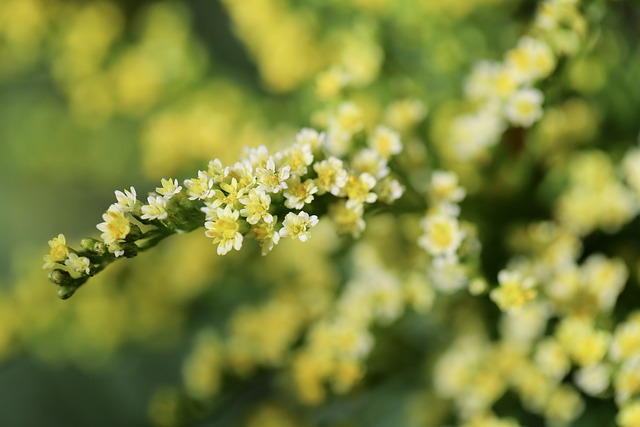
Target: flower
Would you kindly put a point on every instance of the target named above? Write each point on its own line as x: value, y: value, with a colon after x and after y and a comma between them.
x: 524, y: 107
x: 272, y: 179
x: 332, y: 176
x: 349, y: 118
x: 224, y: 230
x: 532, y: 59
x: 442, y: 235
x: 389, y: 190
x: 256, y: 207
x: 257, y: 157
x: 169, y: 188
x: 79, y: 265
x: 297, y: 226
x: 444, y: 187
x: 216, y: 171
x: 299, y: 193
x: 297, y: 157
x: 330, y: 82
x: 156, y: 209
x: 310, y: 137
x: 514, y: 290
x: 370, y: 161
x: 348, y: 219
x: 358, y: 189
x: 629, y: 415
x: 200, y: 188
x: 115, y: 226
x: 385, y: 142
x: 405, y: 113
x: 231, y: 194
x: 58, y: 252
x: 266, y: 234
x: 127, y: 200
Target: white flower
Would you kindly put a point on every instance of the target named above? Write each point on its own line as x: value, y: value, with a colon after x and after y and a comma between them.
x: 266, y: 235
x: 310, y: 137
x: 224, y: 230
x: 532, y: 59
x: 442, y: 235
x: 472, y: 133
x: 169, y: 188
x: 297, y: 226
x: 444, y: 187
x: 272, y: 179
x: 256, y: 207
x: 299, y: 193
x: 332, y: 176
x: 79, y: 265
x: 358, y: 189
x: 514, y: 291
x: 370, y: 161
x: 524, y: 107
x: 389, y: 190
x: 200, y: 188
x: 216, y: 171
x: 297, y: 157
x: 257, y: 157
x: 156, y: 209
x: 385, y: 142
x: 127, y: 200
x: 348, y: 218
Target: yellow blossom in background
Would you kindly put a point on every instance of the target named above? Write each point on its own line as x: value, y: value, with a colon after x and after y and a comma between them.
x: 514, y: 291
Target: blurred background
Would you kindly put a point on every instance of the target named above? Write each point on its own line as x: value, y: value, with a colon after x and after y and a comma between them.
x: 97, y: 96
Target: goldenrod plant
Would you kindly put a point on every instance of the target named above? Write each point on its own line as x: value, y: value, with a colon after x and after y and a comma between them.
x: 331, y: 213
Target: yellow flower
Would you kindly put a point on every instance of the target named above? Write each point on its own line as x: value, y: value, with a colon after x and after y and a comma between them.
x: 58, y: 252
x: 115, y: 226
x: 442, y: 235
x: 358, y: 189
x: 629, y: 415
x: 329, y: 83
x: 524, y: 107
x: 266, y: 235
x: 156, y: 209
x: 297, y: 226
x: 169, y: 188
x: 385, y: 141
x: 514, y: 290
x: 224, y: 230
x: 200, y: 188
x: 299, y: 193
x: 444, y: 187
x: 256, y: 207
x: 332, y: 176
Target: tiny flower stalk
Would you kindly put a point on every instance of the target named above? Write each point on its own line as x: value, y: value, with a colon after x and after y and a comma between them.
x: 264, y: 196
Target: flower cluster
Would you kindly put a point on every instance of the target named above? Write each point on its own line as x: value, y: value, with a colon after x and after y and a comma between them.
x: 503, y: 93
x: 265, y: 195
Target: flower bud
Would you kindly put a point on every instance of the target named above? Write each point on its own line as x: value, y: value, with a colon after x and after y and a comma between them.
x: 88, y: 244
x: 130, y: 249
x: 65, y: 292
x: 60, y: 277
x: 134, y: 233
